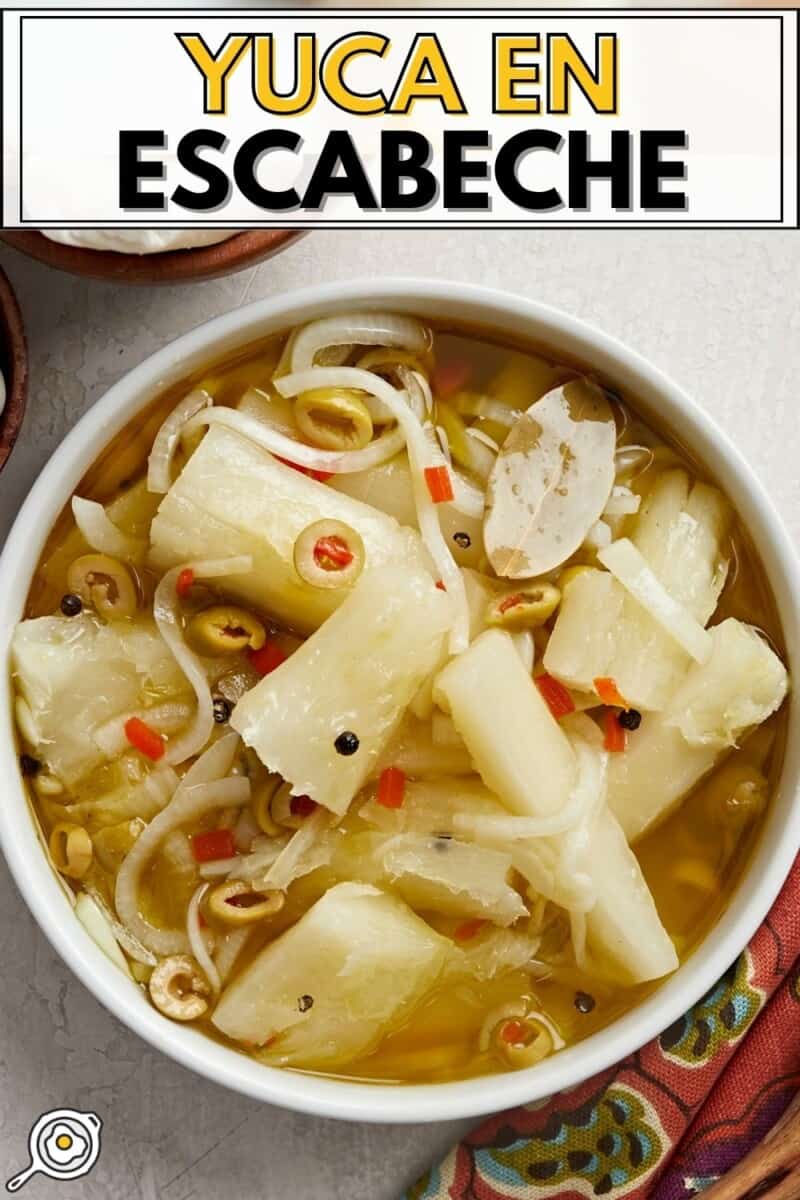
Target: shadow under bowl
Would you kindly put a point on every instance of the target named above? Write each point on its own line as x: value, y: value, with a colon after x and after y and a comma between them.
x: 170, y: 266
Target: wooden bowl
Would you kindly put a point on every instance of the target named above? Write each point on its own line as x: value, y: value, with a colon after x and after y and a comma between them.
x: 14, y: 365
x: 170, y: 266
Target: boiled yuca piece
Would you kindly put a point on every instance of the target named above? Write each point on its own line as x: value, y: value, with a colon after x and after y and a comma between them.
x: 75, y: 673
x: 234, y: 498
x: 518, y: 748
x: 359, y: 959
x: 448, y: 876
x: 389, y: 488
x: 623, y: 927
x: 356, y: 674
x: 430, y: 805
x: 528, y: 761
x: 603, y: 632
x: 742, y: 684
x: 432, y: 873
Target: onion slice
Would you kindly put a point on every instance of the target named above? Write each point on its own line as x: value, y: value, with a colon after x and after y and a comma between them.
x: 231, y: 947
x: 165, y: 611
x: 629, y: 566
x: 333, y: 462
x: 420, y: 456
x: 362, y: 329
x: 159, y: 464
x: 102, y: 534
x: 289, y: 864
x: 111, y: 738
x: 188, y: 804
x: 197, y: 939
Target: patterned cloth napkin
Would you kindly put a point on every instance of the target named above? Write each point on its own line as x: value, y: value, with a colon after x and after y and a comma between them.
x: 670, y: 1120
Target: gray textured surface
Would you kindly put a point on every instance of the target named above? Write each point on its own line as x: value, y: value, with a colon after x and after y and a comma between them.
x: 716, y: 310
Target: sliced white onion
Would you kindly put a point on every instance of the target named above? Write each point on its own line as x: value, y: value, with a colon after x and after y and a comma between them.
x: 468, y: 499
x: 510, y: 829
x: 480, y: 436
x: 159, y: 464
x: 197, y: 940
x: 362, y: 329
x: 99, y: 929
x: 481, y: 457
x: 420, y: 457
x: 102, y: 534
x: 335, y: 462
x: 130, y: 944
x: 295, y: 859
x: 577, y: 926
x: 245, y: 831
x: 369, y: 382
x: 110, y: 737
x: 444, y: 443
x: 165, y: 610
x: 628, y: 565
x: 257, y: 863
x: 631, y: 461
x: 231, y: 945
x: 188, y: 804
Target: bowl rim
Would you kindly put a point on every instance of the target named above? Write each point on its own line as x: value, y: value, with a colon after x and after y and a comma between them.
x: 12, y: 327
x: 191, y: 264
x: 342, y: 1098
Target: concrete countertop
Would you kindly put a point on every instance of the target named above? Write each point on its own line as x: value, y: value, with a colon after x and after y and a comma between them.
x: 717, y: 310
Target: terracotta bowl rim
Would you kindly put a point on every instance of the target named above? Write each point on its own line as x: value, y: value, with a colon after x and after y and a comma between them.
x: 14, y: 352
x: 191, y: 265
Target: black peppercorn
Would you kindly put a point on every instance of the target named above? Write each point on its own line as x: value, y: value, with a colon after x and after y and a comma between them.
x: 584, y: 1002
x: 463, y: 540
x: 630, y: 718
x: 305, y: 1003
x: 346, y: 743
x: 222, y: 710
x: 29, y: 765
x: 71, y: 605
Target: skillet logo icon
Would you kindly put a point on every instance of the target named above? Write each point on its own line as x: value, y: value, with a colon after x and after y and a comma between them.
x: 63, y: 1144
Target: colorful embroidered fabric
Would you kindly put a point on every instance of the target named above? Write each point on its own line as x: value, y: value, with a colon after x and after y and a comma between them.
x: 671, y: 1119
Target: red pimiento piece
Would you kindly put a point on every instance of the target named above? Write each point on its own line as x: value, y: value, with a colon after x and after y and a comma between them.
x: 440, y: 485
x: 311, y: 472
x: 144, y: 739
x: 391, y: 788
x: 510, y: 602
x: 555, y: 696
x: 450, y: 377
x: 609, y: 693
x: 185, y: 582
x: 467, y: 929
x: 302, y: 806
x: 512, y: 1032
x: 267, y: 658
x: 332, y: 553
x: 615, y: 738
x: 441, y: 585
x: 217, y: 843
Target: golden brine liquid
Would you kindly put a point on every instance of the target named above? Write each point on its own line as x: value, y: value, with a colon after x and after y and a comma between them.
x: 693, y: 862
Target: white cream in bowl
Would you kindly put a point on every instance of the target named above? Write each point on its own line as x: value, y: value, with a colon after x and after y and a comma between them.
x: 139, y: 241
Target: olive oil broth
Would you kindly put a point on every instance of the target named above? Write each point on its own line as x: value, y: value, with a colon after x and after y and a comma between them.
x: 693, y: 862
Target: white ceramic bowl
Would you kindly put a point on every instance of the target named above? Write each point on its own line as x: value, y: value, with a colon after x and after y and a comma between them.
x: 512, y: 316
